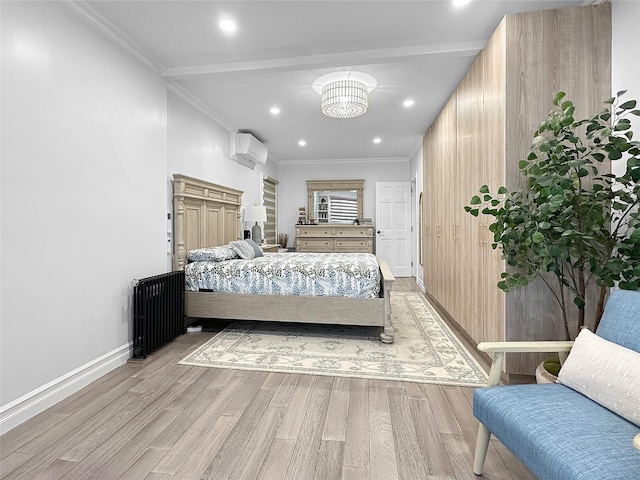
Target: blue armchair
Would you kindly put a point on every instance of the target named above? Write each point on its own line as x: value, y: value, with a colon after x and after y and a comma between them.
x: 562, y: 433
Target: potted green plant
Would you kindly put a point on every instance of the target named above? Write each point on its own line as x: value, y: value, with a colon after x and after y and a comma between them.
x: 569, y: 224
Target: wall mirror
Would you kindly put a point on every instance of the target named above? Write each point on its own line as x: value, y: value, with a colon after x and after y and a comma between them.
x: 335, y: 201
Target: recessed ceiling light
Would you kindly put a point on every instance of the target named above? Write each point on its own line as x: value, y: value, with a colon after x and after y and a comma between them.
x: 377, y: 140
x: 274, y: 110
x: 408, y: 103
x: 227, y: 25
x: 460, y: 3
x: 302, y: 143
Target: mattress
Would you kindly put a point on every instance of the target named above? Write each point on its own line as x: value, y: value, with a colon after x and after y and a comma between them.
x: 354, y: 275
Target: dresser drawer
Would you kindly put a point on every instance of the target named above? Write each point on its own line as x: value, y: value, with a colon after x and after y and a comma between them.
x: 353, y: 246
x: 313, y: 232
x: 339, y: 232
x: 314, y: 245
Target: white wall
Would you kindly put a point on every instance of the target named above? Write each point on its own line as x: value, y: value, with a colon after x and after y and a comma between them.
x: 625, y: 52
x: 87, y: 157
x: 293, y: 187
x: 83, y: 152
x: 198, y: 147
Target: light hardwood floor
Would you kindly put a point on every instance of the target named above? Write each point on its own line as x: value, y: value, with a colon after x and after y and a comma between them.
x: 159, y: 421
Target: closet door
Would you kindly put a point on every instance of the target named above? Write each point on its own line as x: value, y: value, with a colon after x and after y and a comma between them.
x: 439, y: 209
x: 469, y: 172
x: 428, y: 210
x: 493, y: 168
x: 449, y: 193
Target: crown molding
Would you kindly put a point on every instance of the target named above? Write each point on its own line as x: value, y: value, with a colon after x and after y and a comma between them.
x: 362, y: 57
x: 199, y: 105
x: 111, y: 31
x: 342, y: 161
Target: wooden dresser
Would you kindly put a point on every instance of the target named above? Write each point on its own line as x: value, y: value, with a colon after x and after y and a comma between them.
x: 334, y: 238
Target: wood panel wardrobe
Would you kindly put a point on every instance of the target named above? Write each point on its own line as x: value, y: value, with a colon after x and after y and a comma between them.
x: 485, y: 128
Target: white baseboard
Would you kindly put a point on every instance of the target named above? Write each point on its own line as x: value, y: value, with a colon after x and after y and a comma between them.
x: 29, y: 405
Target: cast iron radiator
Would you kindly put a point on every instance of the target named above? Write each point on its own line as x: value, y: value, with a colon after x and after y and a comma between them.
x: 158, y: 311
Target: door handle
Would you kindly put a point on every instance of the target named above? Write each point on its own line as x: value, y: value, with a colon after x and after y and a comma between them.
x: 378, y: 232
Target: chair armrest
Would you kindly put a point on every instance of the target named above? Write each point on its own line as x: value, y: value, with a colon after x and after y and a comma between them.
x: 500, y: 348
x: 636, y: 441
x: 518, y: 347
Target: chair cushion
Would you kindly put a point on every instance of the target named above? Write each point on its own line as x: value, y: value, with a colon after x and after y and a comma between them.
x: 559, y: 433
x: 606, y: 373
x: 620, y: 321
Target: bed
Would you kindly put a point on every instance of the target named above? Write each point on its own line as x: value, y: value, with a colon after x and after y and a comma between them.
x: 208, y: 215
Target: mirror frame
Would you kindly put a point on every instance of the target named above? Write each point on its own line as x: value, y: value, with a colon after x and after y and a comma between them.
x: 332, y: 186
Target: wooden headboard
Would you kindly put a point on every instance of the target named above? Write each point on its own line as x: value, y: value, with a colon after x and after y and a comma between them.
x: 204, y: 215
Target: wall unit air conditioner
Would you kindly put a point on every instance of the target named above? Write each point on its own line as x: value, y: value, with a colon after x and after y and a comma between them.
x: 247, y: 149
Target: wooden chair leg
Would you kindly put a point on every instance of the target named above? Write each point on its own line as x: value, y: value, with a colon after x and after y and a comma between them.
x: 482, y: 445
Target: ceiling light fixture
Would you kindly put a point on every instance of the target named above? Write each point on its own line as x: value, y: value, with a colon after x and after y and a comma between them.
x: 460, y: 3
x: 377, y: 140
x: 344, y: 99
x: 302, y: 143
x: 344, y: 94
x: 408, y: 103
x: 274, y: 110
x: 227, y: 25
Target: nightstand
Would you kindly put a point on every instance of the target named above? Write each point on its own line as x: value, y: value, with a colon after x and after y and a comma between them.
x: 270, y: 248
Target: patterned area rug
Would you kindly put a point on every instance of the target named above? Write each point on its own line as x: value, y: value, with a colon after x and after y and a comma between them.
x: 425, y: 350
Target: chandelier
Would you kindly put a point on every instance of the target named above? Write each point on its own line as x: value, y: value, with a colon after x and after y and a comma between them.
x: 344, y: 99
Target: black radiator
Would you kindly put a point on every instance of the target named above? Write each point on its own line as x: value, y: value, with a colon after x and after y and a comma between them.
x: 158, y: 312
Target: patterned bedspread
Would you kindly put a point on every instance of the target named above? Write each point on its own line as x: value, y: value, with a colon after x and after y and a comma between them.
x: 355, y: 275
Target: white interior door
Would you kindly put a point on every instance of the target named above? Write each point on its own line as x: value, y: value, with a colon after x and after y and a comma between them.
x: 393, y: 226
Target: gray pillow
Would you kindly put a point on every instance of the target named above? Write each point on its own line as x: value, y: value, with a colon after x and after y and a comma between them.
x: 243, y: 249
x: 256, y: 247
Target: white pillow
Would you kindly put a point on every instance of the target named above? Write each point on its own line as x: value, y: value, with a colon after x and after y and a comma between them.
x: 605, y: 372
x: 243, y: 249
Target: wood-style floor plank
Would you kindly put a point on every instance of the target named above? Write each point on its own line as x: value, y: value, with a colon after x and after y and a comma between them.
x: 228, y: 456
x: 356, y: 449
x: 158, y: 420
x: 305, y: 454
x: 383, y: 463
x: 218, y: 400
x: 329, y: 461
x: 411, y: 464
x: 429, y: 438
x: 336, y: 421
x: 277, y: 461
x: 198, y: 459
x: 251, y: 460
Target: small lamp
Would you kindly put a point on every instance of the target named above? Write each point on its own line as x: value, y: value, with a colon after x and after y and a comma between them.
x: 255, y: 213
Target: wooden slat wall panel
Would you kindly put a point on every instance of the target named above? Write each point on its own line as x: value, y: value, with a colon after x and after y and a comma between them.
x: 499, y: 104
x: 575, y: 49
x: 493, y: 174
x: 470, y: 162
x: 449, y: 188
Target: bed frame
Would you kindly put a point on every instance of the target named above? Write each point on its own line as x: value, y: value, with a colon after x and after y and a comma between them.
x: 208, y: 215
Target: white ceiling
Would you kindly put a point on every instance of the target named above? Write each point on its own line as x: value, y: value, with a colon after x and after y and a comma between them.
x: 414, y: 49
